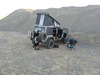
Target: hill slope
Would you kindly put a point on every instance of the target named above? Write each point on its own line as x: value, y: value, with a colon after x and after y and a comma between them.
x: 77, y: 19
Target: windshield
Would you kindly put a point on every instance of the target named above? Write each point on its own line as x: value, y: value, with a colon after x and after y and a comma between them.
x: 40, y: 29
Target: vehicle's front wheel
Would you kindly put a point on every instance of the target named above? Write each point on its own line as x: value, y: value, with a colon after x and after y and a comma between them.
x: 50, y: 43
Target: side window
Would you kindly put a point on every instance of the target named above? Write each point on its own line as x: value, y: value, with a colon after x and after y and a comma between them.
x: 48, y: 21
x: 38, y: 19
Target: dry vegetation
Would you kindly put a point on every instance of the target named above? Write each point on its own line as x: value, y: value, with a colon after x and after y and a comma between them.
x: 18, y: 58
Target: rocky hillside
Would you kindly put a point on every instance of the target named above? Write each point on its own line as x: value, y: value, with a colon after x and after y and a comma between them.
x: 77, y: 19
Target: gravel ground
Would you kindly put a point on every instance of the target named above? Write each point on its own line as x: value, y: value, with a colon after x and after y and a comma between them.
x: 18, y: 58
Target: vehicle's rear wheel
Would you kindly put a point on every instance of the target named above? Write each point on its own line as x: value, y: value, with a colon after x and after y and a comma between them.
x: 42, y: 37
x: 50, y: 43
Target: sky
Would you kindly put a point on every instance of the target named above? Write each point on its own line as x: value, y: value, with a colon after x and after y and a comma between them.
x: 8, y: 6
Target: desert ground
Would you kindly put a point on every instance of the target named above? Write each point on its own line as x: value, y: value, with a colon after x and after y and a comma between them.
x: 18, y: 58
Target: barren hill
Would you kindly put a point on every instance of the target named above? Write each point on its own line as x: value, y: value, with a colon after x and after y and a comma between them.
x: 77, y: 19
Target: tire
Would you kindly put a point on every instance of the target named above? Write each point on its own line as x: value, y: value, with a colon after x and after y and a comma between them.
x: 50, y: 43
x: 42, y: 37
